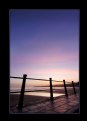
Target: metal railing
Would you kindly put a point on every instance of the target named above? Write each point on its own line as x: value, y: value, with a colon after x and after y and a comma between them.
x: 21, y: 99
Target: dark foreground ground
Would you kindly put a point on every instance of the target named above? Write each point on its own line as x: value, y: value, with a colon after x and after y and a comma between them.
x: 40, y: 104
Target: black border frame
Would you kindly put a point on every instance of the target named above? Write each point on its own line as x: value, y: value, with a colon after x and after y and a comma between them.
x: 6, y: 58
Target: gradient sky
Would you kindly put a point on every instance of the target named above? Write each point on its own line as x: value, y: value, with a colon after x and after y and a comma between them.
x: 44, y: 43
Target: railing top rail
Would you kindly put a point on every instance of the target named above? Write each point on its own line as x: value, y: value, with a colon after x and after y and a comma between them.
x: 29, y: 78
x: 16, y: 77
x: 57, y: 81
x: 38, y: 79
x: 34, y: 79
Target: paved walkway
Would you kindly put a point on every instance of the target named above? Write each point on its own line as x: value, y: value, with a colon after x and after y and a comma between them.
x: 60, y: 104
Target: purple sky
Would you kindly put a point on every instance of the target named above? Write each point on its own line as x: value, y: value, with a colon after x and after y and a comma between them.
x: 44, y: 44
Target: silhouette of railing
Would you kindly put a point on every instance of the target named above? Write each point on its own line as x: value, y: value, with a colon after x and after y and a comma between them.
x: 21, y: 99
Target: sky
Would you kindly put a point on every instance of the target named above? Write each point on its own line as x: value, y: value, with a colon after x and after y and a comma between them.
x: 44, y: 43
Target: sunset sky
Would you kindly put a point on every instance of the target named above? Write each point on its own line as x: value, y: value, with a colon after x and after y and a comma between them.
x: 44, y: 43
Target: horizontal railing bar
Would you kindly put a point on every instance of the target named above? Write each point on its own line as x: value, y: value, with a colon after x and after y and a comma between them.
x: 35, y: 79
x: 36, y: 90
x: 16, y: 92
x: 30, y: 78
x: 30, y: 91
x: 42, y: 79
x: 56, y: 81
x: 16, y: 77
x: 38, y: 79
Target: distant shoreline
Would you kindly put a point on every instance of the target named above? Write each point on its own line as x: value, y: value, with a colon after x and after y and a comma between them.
x: 58, y: 86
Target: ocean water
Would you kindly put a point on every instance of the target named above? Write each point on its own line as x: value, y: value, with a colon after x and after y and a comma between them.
x: 38, y: 88
x: 35, y: 88
x: 43, y: 93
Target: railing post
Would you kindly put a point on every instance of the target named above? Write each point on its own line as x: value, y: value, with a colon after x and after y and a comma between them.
x: 73, y: 87
x: 51, y: 90
x: 65, y: 88
x: 20, y: 104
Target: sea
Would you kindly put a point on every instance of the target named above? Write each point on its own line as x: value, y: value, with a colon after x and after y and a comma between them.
x: 40, y: 93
